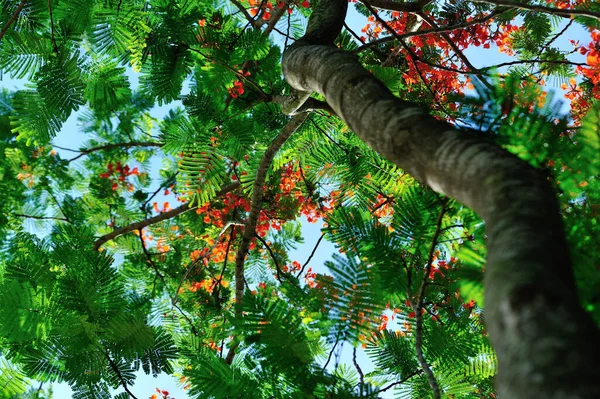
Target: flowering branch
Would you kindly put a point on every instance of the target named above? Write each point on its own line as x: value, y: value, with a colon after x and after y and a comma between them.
x: 158, y: 218
x: 544, y: 9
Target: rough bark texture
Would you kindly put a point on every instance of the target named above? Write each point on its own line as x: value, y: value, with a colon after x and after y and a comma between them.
x: 547, y: 346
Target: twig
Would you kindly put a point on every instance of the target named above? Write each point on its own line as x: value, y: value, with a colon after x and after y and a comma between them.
x: 404, y: 6
x: 275, y: 18
x: 360, y: 373
x: 111, y: 146
x: 158, y: 218
x: 162, y: 279
x: 509, y: 63
x: 457, y: 51
x: 547, y: 10
x: 311, y: 255
x: 159, y: 189
x: 337, y: 339
x: 255, y: 24
x: 218, y: 288
x: 411, y: 58
x: 419, y: 306
x: 12, y: 18
x: 115, y: 368
x: 448, y: 28
x: 264, y: 243
x: 41, y: 217
x: 54, y: 46
x: 402, y: 381
x: 205, y: 256
x: 255, y: 208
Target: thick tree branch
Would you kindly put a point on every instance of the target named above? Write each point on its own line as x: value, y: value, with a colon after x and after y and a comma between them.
x: 547, y: 10
x: 255, y: 207
x: 158, y: 218
x: 12, y: 18
x: 533, y: 313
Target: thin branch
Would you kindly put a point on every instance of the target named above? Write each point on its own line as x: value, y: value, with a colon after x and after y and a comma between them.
x: 275, y: 18
x: 161, y: 187
x: 205, y: 256
x: 337, y: 339
x: 158, y: 218
x: 52, y: 37
x: 277, y: 267
x: 255, y: 24
x: 328, y: 136
x: 457, y: 51
x: 65, y: 149
x: 41, y: 217
x: 419, y: 306
x: 448, y: 28
x: 503, y: 64
x: 402, y: 381
x: 411, y: 58
x: 12, y: 18
x: 115, y: 368
x: 547, y: 10
x: 311, y: 255
x: 58, y: 205
x: 255, y: 208
x: 111, y: 146
x: 162, y: 279
x: 360, y: 373
x: 218, y: 288
x: 412, y: 7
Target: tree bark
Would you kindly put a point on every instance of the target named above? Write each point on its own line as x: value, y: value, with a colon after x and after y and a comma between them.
x: 547, y: 346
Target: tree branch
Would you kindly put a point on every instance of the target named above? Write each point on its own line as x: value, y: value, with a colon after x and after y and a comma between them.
x: 158, y: 218
x: 41, y: 217
x: 547, y: 10
x: 115, y: 368
x: 418, y: 307
x: 409, y: 7
x: 12, y: 18
x: 532, y: 306
x: 311, y: 255
x: 255, y: 208
x: 162, y: 279
x: 111, y: 146
x: 264, y: 243
x: 361, y: 375
x: 440, y: 29
x: 457, y: 51
x: 402, y: 381
x: 52, y: 38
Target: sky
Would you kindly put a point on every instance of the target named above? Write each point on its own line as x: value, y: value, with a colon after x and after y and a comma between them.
x: 69, y: 137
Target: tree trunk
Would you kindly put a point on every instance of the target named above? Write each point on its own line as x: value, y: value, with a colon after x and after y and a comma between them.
x: 547, y: 346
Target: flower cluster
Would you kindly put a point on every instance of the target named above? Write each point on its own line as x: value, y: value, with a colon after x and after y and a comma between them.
x: 117, y: 173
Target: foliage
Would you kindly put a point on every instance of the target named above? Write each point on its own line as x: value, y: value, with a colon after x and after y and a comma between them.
x: 160, y: 296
